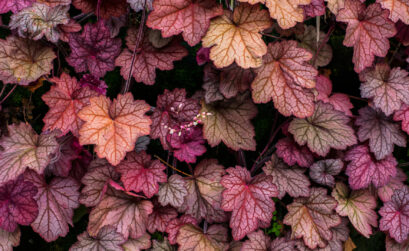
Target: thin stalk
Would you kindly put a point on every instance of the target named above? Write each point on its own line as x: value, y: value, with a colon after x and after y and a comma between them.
x: 174, y: 168
x: 8, y: 94
x: 324, y: 41
x: 268, y: 35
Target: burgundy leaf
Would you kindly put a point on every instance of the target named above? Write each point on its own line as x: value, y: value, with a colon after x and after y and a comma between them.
x: 89, y: 80
x: 160, y: 218
x: 14, y: 6
x: 293, y: 154
x: 202, y: 56
x: 174, y: 225
x: 323, y: 171
x: 187, y: 145
x: 108, y: 8
x: 107, y: 239
x: 315, y: 8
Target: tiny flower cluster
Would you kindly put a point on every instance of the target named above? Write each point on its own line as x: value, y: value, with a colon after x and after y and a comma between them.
x: 196, y: 120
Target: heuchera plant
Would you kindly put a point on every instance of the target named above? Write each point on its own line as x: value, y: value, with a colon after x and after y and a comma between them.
x: 204, y: 125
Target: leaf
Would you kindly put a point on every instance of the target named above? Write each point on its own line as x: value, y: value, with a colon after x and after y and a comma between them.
x: 287, y: 13
x: 138, y: 5
x: 23, y: 61
x: 173, y: 192
x: 235, y: 37
x: 286, y: 78
x: 140, y: 173
x: 191, y: 18
x: 65, y: 100
x: 54, y: 3
x: 192, y: 238
x: 385, y: 192
x: 395, y: 215
x: 323, y: 171
x: 17, y: 204
x: 282, y: 244
x: 368, y: 31
x: 94, y: 49
x: 56, y: 203
x: 248, y: 198
x: 229, y: 121
x: 147, y: 58
x: 94, y: 84
x: 160, y: 218
x: 291, y: 180
x: 107, y: 239
x: 141, y: 243
x: 381, y: 132
x: 61, y: 160
x: 96, y: 182
x: 24, y: 148
x: 325, y: 129
x: 309, y: 42
x: 9, y: 240
x: 293, y: 154
x: 312, y: 217
x: 403, y: 115
x: 364, y: 169
x: 108, y: 8
x: 392, y: 245
x: 340, y: 234
x: 204, y: 191
x: 335, y: 5
x: 40, y: 20
x: 142, y: 143
x: 14, y: 6
x: 203, y: 56
x: 174, y: 226
x: 234, y: 80
x: 187, y: 145
x: 388, y: 88
x: 127, y: 214
x: 358, y: 205
x: 403, y: 33
x: 114, y: 126
x: 315, y: 8
x: 211, y: 79
x: 399, y: 9
x: 173, y: 109
x: 162, y: 246
x: 257, y: 241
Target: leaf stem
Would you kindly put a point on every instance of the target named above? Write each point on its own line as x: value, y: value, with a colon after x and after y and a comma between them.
x: 169, y: 165
x: 8, y: 94
x: 269, y: 35
x: 324, y: 41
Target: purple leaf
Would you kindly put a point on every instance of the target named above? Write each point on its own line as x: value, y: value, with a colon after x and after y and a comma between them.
x: 323, y: 171
x: 293, y: 154
x: 187, y: 144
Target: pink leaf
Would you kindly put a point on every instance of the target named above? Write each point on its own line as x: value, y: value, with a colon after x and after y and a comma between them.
x: 403, y: 115
x: 257, y: 241
x: 160, y: 218
x: 365, y: 169
x: 385, y: 192
x: 323, y: 171
x: 14, y: 5
x: 140, y: 173
x: 173, y: 192
x: 315, y: 8
x: 248, y: 198
x: 56, y: 203
x: 17, y: 204
x: 282, y: 244
x: 106, y: 239
x: 395, y: 215
x: 202, y: 56
x: 174, y: 225
x: 188, y: 145
x: 293, y: 154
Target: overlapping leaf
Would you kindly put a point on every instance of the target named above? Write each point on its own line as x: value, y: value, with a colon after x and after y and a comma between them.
x: 385, y: 192
x: 289, y: 180
x: 358, y: 205
x: 248, y: 198
x: 107, y: 8
x: 61, y: 160
x: 293, y: 154
x: 325, y: 129
x: 286, y: 78
x: 187, y: 145
x: 173, y: 192
x: 315, y: 8
x: 229, y: 121
x: 381, y: 132
x: 174, y: 226
x: 141, y: 243
x: 107, y: 239
x: 9, y: 240
x: 398, y: 9
x: 114, y: 126
x: 235, y: 37
x: 323, y: 171
x: 14, y: 6
x: 368, y: 31
x: 192, y: 238
x: 23, y: 148
x: 403, y: 115
x: 65, y: 100
x: 160, y: 218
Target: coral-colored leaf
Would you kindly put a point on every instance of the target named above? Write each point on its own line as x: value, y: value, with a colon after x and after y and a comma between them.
x: 138, y: 244
x: 229, y: 121
x: 108, y: 8
x: 40, y: 20
x: 24, y: 148
x: 187, y: 145
x: 395, y: 215
x: 172, y: 111
x: 9, y: 240
x: 191, y: 18
x: 358, y: 205
x: 23, y: 61
x: 312, y: 218
x: 368, y: 31
x: 388, y: 87
x: 325, y: 129
x: 323, y: 171
x: 174, y: 226
x: 148, y: 58
x: 56, y: 203
x: 286, y: 78
x: 107, y: 239
x: 248, y: 198
x: 289, y: 180
x: 365, y: 169
x: 160, y: 218
x: 96, y: 182
x: 385, y: 192
x: 127, y: 214
x: 140, y: 173
x: 14, y: 6
x: 257, y: 241
x: 192, y: 238
x: 203, y: 200
x: 293, y: 154
x: 398, y: 9
x: 380, y: 130
x: 287, y: 13
x: 235, y: 37
x: 94, y: 49
x: 17, y: 204
x: 114, y: 126
x: 173, y: 192
x: 65, y: 100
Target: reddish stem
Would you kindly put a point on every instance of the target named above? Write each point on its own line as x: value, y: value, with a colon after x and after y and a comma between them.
x: 324, y: 41
x: 8, y: 94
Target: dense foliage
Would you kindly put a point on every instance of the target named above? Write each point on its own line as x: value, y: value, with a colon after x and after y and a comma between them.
x: 204, y: 125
